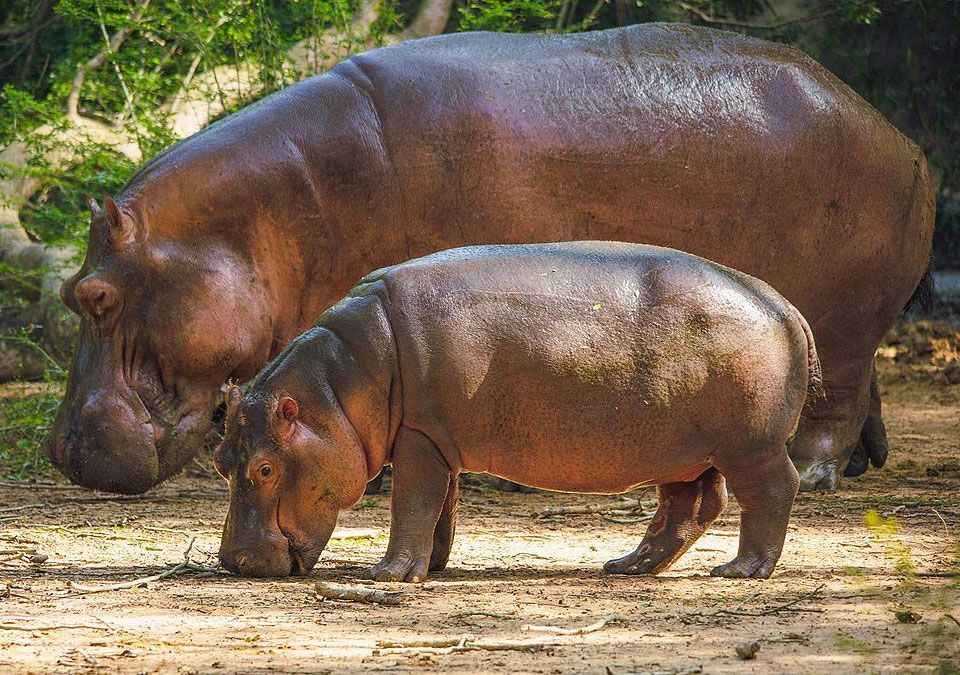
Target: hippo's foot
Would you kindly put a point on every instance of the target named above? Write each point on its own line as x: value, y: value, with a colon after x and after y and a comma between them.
x: 746, y: 567
x: 685, y: 512
x: 400, y: 567
x: 765, y: 485
x: 859, y: 462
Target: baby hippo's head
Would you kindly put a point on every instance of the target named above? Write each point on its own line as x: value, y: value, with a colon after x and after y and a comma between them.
x: 290, y: 474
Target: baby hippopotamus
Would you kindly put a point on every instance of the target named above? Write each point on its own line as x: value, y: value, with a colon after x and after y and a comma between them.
x: 580, y: 367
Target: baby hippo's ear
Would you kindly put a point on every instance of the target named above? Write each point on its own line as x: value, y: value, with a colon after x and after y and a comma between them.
x: 286, y: 418
x: 233, y: 399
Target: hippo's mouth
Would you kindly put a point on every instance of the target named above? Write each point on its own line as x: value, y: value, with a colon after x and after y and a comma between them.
x: 303, y: 555
x: 302, y: 559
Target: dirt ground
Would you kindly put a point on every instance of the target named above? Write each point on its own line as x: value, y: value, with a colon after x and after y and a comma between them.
x: 884, y: 544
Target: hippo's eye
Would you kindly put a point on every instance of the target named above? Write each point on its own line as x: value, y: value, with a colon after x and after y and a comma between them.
x: 266, y: 471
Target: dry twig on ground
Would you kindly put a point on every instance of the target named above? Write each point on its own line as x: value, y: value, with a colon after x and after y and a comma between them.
x: 785, y: 607
x: 179, y: 568
x: 583, y: 630
x: 377, y: 596
x: 461, y: 643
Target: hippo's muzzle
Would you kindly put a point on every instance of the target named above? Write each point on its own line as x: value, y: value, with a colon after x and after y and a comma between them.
x: 109, y: 444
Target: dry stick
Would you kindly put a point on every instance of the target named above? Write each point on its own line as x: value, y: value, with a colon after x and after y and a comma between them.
x: 492, y: 615
x: 583, y: 630
x: 8, y: 509
x: 36, y: 486
x: 787, y: 606
x: 358, y: 594
x: 462, y: 643
x: 186, y: 565
x: 43, y: 629
x: 937, y: 514
x: 622, y: 505
x: 426, y: 642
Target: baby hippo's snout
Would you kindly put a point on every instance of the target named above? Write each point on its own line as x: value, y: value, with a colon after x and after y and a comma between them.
x: 258, y: 561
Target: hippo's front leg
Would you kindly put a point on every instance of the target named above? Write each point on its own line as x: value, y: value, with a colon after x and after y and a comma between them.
x: 421, y: 482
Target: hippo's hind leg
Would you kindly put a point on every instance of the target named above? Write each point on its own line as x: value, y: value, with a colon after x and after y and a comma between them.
x: 685, y: 511
x: 446, y: 526
x: 832, y: 427
x: 765, y: 488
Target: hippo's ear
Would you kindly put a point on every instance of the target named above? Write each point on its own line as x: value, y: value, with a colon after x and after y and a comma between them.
x: 95, y: 209
x: 233, y: 398
x: 287, y: 412
x: 119, y: 225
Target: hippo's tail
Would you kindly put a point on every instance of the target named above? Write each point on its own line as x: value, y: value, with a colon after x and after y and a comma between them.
x: 925, y: 295
x: 814, y: 372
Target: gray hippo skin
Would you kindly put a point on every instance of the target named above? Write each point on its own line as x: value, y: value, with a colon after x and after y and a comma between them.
x: 582, y: 367
x: 228, y: 245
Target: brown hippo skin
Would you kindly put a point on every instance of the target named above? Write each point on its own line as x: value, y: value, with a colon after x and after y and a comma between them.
x: 580, y: 367
x: 228, y: 245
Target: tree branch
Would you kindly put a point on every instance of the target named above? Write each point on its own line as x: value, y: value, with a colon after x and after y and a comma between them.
x: 431, y: 19
x: 112, y: 44
x: 707, y: 18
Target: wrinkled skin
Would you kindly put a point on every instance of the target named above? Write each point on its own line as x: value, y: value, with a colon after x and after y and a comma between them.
x: 742, y: 151
x: 579, y: 367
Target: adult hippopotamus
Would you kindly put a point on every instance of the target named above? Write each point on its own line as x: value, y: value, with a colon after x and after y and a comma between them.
x: 229, y: 244
x: 580, y: 367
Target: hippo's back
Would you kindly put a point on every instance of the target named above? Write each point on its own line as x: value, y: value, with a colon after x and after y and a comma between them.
x: 743, y: 151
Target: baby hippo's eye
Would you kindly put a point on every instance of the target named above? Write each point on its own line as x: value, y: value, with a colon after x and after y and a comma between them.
x: 266, y: 471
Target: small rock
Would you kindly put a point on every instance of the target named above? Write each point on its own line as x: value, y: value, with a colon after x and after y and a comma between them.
x: 38, y: 558
x: 4, y: 591
x: 748, y: 650
x: 907, y: 616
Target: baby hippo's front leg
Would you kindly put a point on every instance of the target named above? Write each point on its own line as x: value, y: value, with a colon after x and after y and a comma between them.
x: 421, y: 480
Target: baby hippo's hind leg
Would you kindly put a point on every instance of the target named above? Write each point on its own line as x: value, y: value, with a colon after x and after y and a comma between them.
x: 765, y: 491
x: 685, y: 511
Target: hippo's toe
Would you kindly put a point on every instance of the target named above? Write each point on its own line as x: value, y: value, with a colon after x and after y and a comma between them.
x: 645, y: 560
x: 745, y: 567
x: 858, y: 463
x: 412, y: 569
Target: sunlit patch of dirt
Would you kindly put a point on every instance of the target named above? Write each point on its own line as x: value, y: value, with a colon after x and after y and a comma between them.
x: 846, y: 596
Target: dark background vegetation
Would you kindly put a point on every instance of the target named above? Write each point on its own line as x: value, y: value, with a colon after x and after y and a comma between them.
x: 901, y: 56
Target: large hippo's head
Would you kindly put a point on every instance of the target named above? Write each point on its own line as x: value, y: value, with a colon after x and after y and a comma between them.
x: 290, y: 474
x: 163, y: 323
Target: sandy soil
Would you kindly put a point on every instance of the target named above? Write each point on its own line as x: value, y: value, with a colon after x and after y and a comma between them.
x: 831, y: 606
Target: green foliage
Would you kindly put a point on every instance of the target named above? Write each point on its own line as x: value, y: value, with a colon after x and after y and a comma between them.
x: 169, y: 45
x: 497, y: 15
x: 26, y: 414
